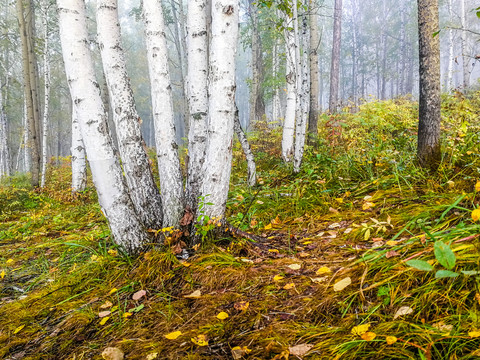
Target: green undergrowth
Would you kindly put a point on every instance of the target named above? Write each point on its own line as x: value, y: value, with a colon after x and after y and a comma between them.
x: 331, y: 279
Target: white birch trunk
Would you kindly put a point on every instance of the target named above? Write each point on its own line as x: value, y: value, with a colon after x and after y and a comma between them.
x: 167, y: 148
x: 242, y: 138
x: 304, y: 100
x: 197, y: 56
x: 4, y: 152
x: 451, y: 59
x: 276, y: 113
x: 46, y: 65
x: 218, y: 160
x: 463, y: 34
x: 26, y: 140
x: 79, y: 161
x: 289, y: 123
x: 143, y: 190
x: 113, y: 196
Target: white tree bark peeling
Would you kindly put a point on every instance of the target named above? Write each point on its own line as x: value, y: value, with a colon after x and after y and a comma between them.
x: 114, y: 200
x: 289, y: 123
x: 167, y: 149
x: 143, y: 191
x: 217, y: 167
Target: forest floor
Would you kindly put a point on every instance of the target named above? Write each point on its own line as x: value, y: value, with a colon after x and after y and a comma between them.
x: 363, y: 256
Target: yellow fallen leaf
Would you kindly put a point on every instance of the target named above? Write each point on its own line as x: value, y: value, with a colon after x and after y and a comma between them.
x: 173, y: 335
x: 451, y: 184
x: 273, y: 251
x: 392, y: 243
x: 152, y: 356
x: 404, y: 310
x: 476, y: 214
x: 18, y: 329
x: 339, y: 200
x: 474, y: 334
x: 295, y: 266
x: 369, y: 336
x: 323, y: 270
x: 391, y: 340
x: 112, y: 291
x: 241, y: 305
x: 278, y: 277
x: 9, y: 261
x: 106, y: 305
x: 307, y: 242
x: 113, y: 309
x: 186, y: 264
x: 239, y: 352
x: 368, y: 205
x: 200, y: 340
x: 268, y: 227
x: 477, y: 186
x: 360, y: 329
x: 342, y: 284
x: 366, y: 236
x: 195, y: 295
x: 104, y: 320
x: 127, y: 314
x: 222, y: 315
x: 2, y: 274
x: 289, y: 286
x: 113, y: 252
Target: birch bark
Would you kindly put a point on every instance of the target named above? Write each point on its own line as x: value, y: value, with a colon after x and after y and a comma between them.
x: 242, y: 138
x: 218, y: 160
x: 46, y: 76
x: 197, y: 56
x: 4, y: 153
x: 113, y: 196
x: 314, y: 90
x: 143, y: 191
x: 167, y: 149
x: 79, y: 161
x: 463, y: 34
x: 335, y: 67
x: 289, y: 123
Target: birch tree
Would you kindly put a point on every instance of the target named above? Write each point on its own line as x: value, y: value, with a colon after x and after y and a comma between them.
x: 167, y: 148
x: 79, y: 161
x: 197, y: 55
x: 335, y: 66
x: 218, y: 159
x: 143, y: 191
x: 47, y: 81
x: 429, y: 149
x: 4, y: 151
x: 314, y: 86
x: 107, y: 175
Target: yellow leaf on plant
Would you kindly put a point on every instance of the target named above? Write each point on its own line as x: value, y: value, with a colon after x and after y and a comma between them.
x: 222, y: 315
x: 2, y: 274
x: 18, y: 329
x: 474, y: 334
x: 323, y: 270
x: 469, y: 152
x: 200, y: 340
x: 9, y: 261
x: 369, y: 336
x: 366, y: 236
x: 289, y: 286
x: 477, y: 186
x: 391, y: 340
x: 112, y: 291
x: 476, y: 214
x: 360, y: 329
x: 173, y: 335
x: 278, y: 277
x: 342, y: 284
x: 339, y: 200
x: 104, y: 320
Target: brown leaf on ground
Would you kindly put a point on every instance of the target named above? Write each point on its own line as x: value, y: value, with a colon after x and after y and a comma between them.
x: 300, y: 350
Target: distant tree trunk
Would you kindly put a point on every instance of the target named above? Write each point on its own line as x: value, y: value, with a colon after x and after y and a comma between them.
x: 223, y: 45
x: 354, y: 51
x: 46, y: 65
x: 463, y: 35
x: 383, y: 94
x: 4, y: 151
x: 257, y: 104
x: 304, y: 100
x: 79, y: 161
x: 289, y: 123
x: 167, y: 149
x: 242, y: 138
x: 450, y: 50
x: 197, y: 54
x: 24, y: 16
x: 429, y: 150
x: 113, y: 196
x: 403, y: 52
x: 143, y: 190
x: 335, y: 68
x: 314, y: 90
x: 276, y: 106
